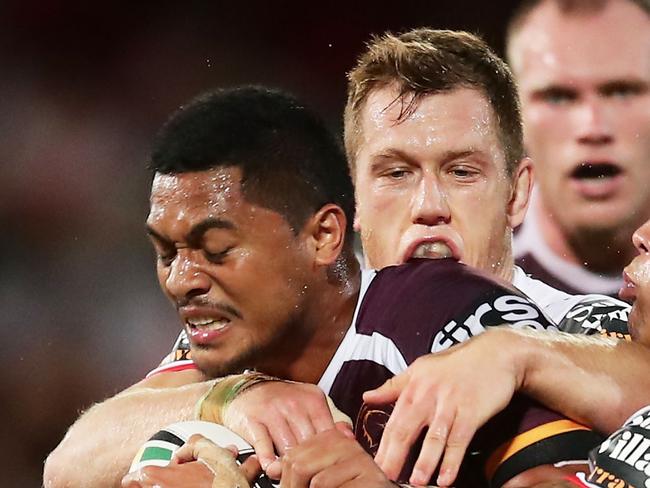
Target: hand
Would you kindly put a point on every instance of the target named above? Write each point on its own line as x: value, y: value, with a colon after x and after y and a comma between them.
x: 331, y: 459
x: 451, y: 394
x: 282, y: 414
x: 193, y: 474
x: 198, y: 463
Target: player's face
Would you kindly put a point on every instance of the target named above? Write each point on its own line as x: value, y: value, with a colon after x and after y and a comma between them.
x: 435, y: 184
x: 637, y: 286
x: 584, y: 81
x: 235, y: 271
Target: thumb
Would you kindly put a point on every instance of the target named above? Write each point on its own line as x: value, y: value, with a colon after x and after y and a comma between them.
x: 251, y: 468
x: 388, y: 392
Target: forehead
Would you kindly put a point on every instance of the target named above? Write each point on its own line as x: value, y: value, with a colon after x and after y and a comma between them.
x: 598, y: 46
x: 196, y: 194
x: 458, y: 120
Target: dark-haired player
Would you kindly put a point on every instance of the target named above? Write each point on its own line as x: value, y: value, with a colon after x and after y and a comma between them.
x: 248, y: 218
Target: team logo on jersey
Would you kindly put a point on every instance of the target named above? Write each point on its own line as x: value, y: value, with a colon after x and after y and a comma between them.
x: 623, y: 460
x: 516, y: 311
x: 598, y: 315
x: 370, y: 425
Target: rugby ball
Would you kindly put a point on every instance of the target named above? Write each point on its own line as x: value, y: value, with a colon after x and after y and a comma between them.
x: 159, y: 449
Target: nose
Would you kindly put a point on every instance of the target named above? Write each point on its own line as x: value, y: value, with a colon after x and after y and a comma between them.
x: 429, y: 203
x: 641, y: 238
x: 594, y: 127
x: 186, y: 279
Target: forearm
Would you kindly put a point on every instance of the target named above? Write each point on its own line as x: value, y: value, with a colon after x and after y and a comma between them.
x: 594, y: 380
x: 100, y: 445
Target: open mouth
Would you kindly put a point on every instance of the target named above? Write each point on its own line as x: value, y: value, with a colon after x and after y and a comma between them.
x: 595, y: 171
x: 432, y: 250
x: 206, y: 324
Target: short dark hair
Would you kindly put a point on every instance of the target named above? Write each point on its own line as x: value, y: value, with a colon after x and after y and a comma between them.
x: 291, y: 163
x: 424, y: 62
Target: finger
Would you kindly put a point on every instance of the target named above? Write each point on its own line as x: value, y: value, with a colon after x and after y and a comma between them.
x: 274, y: 470
x: 461, y: 434
x: 301, y: 426
x: 141, y: 478
x: 345, y: 428
x: 344, y: 472
x: 388, y: 392
x: 282, y: 435
x: 251, y: 469
x: 402, y: 429
x: 131, y: 480
x: 263, y: 445
x: 321, y: 416
x: 188, y: 451
x: 301, y: 463
x: 233, y: 449
x: 433, y: 446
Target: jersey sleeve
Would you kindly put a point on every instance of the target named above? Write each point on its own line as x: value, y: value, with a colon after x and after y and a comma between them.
x: 526, y: 435
x: 623, y: 459
x: 179, y: 359
x: 597, y: 314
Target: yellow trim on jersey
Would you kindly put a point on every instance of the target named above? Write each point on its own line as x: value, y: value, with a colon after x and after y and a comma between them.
x: 516, y: 444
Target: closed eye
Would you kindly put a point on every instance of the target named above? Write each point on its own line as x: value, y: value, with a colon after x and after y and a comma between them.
x: 166, y: 259
x: 217, y: 257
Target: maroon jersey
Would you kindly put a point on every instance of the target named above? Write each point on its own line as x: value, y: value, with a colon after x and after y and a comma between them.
x: 427, y: 306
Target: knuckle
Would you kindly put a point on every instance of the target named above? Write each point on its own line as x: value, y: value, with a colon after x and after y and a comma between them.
x: 319, y: 480
x: 300, y: 470
x: 400, y: 433
x: 438, y: 432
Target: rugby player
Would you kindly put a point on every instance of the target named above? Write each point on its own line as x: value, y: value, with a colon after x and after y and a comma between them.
x: 158, y: 395
x: 438, y: 174
x: 620, y: 461
x: 583, y: 72
x: 247, y: 219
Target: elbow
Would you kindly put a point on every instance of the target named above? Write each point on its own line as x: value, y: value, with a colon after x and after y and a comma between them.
x: 63, y: 468
x: 54, y: 472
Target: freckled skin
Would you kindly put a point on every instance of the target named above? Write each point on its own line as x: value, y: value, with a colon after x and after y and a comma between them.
x: 439, y: 173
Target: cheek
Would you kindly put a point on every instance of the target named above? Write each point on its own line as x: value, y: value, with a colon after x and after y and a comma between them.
x: 162, y: 273
x: 377, y: 208
x: 542, y: 125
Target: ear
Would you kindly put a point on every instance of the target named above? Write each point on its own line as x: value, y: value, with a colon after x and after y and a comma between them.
x: 327, y: 233
x: 356, y: 224
x: 522, y: 185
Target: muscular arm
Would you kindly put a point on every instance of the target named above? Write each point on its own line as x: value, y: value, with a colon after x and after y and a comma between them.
x: 100, y: 445
x: 594, y: 380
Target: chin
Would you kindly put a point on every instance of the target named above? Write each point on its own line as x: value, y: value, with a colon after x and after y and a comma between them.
x: 639, y: 325
x: 218, y: 367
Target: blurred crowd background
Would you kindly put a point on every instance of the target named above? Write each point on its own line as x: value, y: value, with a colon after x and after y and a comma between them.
x: 84, y: 87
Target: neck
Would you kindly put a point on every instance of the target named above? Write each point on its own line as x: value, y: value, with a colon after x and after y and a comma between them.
x: 323, y: 326
x: 605, y: 251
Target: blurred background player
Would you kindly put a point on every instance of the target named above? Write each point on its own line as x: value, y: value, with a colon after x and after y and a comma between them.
x: 583, y: 72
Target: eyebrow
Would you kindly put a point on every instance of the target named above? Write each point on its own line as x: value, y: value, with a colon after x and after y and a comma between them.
x: 196, y: 232
x: 636, y: 85
x: 445, y: 156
